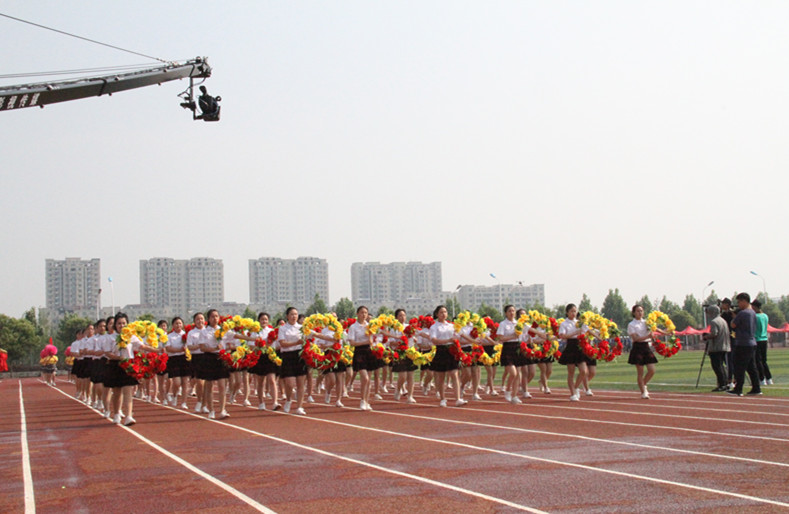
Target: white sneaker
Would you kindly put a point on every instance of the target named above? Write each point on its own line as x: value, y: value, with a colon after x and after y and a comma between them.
x: 527, y: 395
x: 157, y: 400
x: 378, y: 396
x: 385, y: 389
x: 578, y: 393
x: 645, y: 395
x: 369, y: 408
x: 516, y: 401
x: 107, y: 414
x: 310, y: 399
x: 286, y: 407
x: 262, y: 406
x: 763, y: 382
x: 397, y: 396
x: 476, y: 397
x: 247, y: 403
x: 128, y: 421
x: 410, y: 400
x: 339, y: 404
x: 184, y: 406
x: 460, y: 403
x: 170, y: 398
x: 224, y: 414
x: 574, y: 398
x: 206, y: 410
x: 507, y: 396
x: 769, y: 381
x: 547, y: 390
x: 117, y: 419
x: 589, y: 392
x: 198, y: 407
x: 363, y: 405
x: 211, y: 415
x: 442, y: 403
x: 327, y: 399
x: 301, y: 412
x: 346, y: 395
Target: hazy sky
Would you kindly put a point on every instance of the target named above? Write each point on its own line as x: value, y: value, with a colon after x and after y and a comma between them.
x: 583, y: 145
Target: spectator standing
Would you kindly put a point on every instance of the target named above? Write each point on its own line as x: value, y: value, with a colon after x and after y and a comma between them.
x: 744, y: 351
x: 719, y: 346
x: 765, y: 377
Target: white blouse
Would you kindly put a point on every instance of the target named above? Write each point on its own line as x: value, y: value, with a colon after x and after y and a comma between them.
x: 176, y: 342
x: 208, y: 339
x: 357, y: 333
x: 193, y: 340
x: 639, y: 328
x: 134, y: 346
x: 290, y: 334
x: 507, y: 328
x: 424, y: 343
x: 569, y: 325
x: 442, y: 330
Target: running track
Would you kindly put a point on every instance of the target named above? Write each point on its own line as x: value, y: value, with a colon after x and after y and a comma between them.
x: 612, y: 452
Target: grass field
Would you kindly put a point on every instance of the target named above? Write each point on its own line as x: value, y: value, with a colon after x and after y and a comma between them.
x: 677, y: 373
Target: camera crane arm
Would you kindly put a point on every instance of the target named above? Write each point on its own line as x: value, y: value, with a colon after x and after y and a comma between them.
x: 45, y: 93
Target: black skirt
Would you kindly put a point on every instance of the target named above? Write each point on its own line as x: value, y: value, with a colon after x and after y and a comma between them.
x: 591, y: 362
x: 509, y: 353
x: 198, y: 365
x: 98, y: 370
x: 443, y: 361
x: 404, y: 365
x: 572, y: 353
x: 292, y: 365
x: 264, y: 366
x: 641, y: 354
x: 117, y: 377
x: 178, y: 366
x: 363, y: 359
x: 213, y: 367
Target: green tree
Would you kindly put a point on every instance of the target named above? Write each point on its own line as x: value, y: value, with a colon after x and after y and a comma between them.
x: 682, y: 319
x: 693, y: 307
x: 646, y: 303
x: 383, y: 309
x: 557, y: 311
x: 453, y: 307
x: 145, y: 317
x: 783, y: 306
x: 490, y: 311
x: 18, y: 337
x: 774, y: 313
x: 344, y: 308
x: 249, y: 313
x: 666, y: 306
x: 615, y: 308
x: 585, y: 305
x: 67, y: 329
x: 318, y: 306
x: 712, y: 298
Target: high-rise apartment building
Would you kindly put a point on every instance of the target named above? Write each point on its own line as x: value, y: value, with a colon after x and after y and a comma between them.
x: 393, y: 284
x: 181, y: 286
x: 275, y: 283
x: 471, y: 297
x: 72, y: 284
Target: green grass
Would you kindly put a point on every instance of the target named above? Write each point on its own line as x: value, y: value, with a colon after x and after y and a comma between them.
x: 676, y: 374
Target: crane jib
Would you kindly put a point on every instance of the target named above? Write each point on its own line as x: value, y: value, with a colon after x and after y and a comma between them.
x: 32, y: 95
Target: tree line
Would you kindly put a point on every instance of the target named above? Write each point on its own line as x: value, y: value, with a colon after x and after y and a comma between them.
x: 24, y: 338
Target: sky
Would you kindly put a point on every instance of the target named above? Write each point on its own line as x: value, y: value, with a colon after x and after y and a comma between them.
x: 584, y: 146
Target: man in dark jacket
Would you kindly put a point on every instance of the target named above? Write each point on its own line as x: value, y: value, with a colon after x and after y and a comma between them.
x: 744, y: 351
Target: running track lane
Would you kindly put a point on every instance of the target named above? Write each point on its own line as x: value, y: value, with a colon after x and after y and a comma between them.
x: 379, y: 451
x: 282, y: 477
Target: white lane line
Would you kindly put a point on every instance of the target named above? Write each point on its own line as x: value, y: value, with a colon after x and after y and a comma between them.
x: 358, y: 462
x: 636, y: 413
x: 569, y: 436
x: 538, y: 459
x: 691, y: 386
x: 721, y: 408
x: 709, y: 398
x: 27, y: 474
x: 233, y: 491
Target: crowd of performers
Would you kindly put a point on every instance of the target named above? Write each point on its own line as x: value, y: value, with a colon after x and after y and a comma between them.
x: 218, y: 360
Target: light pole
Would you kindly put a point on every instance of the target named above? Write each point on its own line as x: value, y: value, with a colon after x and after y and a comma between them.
x: 764, y: 284
x: 455, y: 300
x: 501, y: 303
x: 112, y: 295
x: 703, y: 310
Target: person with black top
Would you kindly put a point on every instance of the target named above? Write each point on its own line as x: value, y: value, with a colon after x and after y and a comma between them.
x: 744, y: 351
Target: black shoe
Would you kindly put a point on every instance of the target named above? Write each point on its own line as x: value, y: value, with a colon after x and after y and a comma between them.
x: 753, y: 393
x: 733, y: 392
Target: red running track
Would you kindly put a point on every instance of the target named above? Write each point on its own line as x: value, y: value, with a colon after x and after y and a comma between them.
x: 610, y: 452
